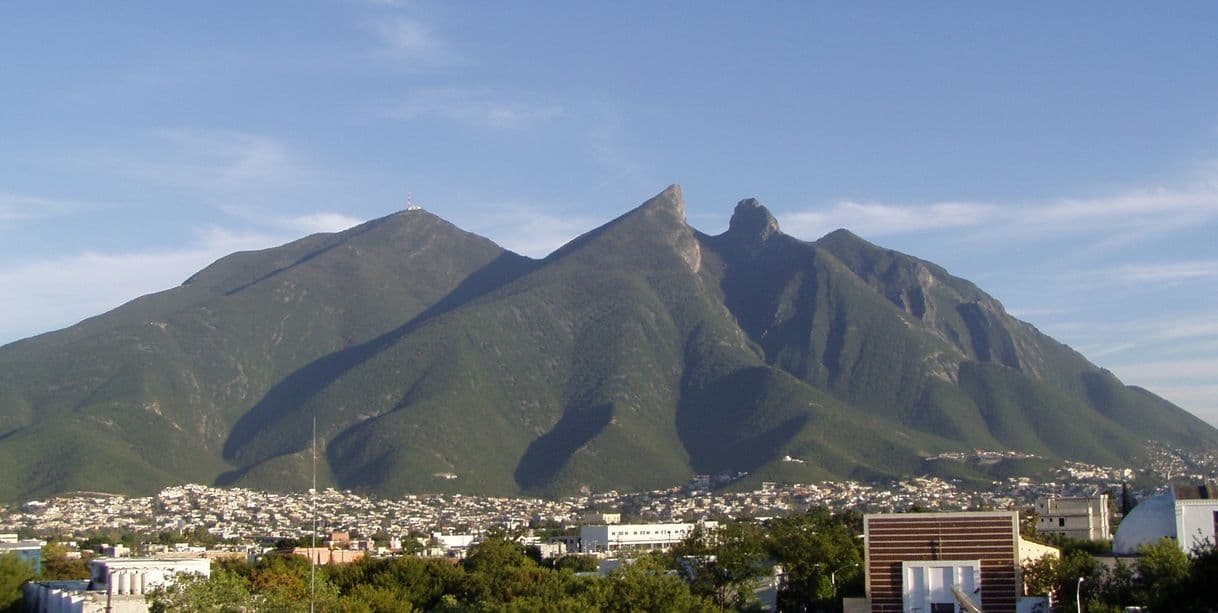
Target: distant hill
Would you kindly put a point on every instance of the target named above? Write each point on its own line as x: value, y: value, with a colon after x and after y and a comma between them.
x: 635, y: 356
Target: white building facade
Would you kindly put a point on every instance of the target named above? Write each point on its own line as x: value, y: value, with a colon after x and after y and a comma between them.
x: 636, y: 536
x: 1196, y: 523
x: 116, y: 586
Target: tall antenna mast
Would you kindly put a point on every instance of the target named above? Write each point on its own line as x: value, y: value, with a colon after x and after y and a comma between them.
x: 313, y: 505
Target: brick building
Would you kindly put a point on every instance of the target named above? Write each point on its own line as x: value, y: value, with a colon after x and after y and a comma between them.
x: 942, y: 562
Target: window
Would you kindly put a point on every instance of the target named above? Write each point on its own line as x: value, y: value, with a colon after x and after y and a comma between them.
x: 942, y: 607
x: 1061, y: 522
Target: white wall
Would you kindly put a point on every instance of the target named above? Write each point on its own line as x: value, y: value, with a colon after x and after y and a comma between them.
x: 1195, y: 522
x: 925, y: 582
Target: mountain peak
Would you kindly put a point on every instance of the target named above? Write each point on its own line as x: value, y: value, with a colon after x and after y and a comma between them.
x: 670, y: 200
x: 752, y: 220
x: 842, y: 234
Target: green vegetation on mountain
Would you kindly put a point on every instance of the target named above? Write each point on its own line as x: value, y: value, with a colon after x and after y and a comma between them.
x: 639, y: 354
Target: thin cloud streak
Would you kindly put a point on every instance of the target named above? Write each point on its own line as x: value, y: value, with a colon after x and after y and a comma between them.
x: 524, y: 228
x: 1152, y: 275
x: 38, y: 295
x: 215, y: 165
x: 1193, y: 327
x: 412, y: 42
x: 319, y: 222
x: 19, y: 207
x: 1122, y: 218
x: 471, y: 107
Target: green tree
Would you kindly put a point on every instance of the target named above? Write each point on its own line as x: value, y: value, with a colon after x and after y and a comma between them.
x: 1043, y: 576
x: 57, y: 565
x: 811, y: 548
x: 576, y: 563
x: 724, y: 564
x: 1200, y: 590
x: 14, y: 572
x: 1118, y: 586
x: 1059, y: 577
x: 1075, y: 564
x: 498, y: 572
x: 223, y: 592
x: 645, y: 585
x: 421, y: 583
x: 1163, y: 571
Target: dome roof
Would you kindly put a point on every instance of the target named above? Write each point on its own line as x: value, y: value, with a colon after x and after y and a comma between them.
x: 1153, y: 519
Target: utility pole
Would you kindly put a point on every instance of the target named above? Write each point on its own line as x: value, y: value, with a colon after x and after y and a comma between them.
x: 313, y: 542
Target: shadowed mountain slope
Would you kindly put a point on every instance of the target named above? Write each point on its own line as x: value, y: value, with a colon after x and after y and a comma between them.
x: 635, y: 356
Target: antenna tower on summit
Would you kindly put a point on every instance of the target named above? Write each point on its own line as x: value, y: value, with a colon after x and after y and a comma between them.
x: 410, y: 205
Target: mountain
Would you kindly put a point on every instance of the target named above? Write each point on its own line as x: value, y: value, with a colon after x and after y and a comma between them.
x: 633, y: 357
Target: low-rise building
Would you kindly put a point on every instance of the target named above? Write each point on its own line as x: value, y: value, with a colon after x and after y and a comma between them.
x: 116, y: 585
x: 636, y: 536
x: 1087, y: 518
x: 28, y: 550
x: 323, y: 556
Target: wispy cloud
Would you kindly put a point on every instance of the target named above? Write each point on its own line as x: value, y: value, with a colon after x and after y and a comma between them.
x: 1175, y: 357
x: 473, y: 107
x: 412, y: 42
x: 878, y: 219
x: 319, y: 222
x: 1027, y: 312
x: 528, y: 229
x: 213, y: 165
x: 38, y: 295
x: 1143, y: 274
x: 1195, y: 327
x: 1121, y: 218
x: 17, y: 207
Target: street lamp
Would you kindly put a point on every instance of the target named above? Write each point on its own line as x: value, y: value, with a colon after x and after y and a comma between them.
x: 1078, y: 595
x: 833, y: 575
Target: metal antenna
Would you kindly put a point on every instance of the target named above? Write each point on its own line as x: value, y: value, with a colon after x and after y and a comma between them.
x: 313, y: 505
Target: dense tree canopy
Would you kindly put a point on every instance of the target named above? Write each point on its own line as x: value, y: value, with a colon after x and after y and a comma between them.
x: 14, y: 571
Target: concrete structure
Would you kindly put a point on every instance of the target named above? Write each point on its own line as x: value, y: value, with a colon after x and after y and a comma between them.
x: 116, y: 585
x: 602, y: 518
x: 1031, y: 551
x: 325, y: 555
x: 29, y: 551
x: 636, y: 536
x: 1186, y: 513
x: 932, y: 562
x: 1196, y: 514
x: 1085, y: 518
x: 137, y: 576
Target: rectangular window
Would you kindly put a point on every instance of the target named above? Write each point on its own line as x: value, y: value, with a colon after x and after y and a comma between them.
x: 1061, y: 522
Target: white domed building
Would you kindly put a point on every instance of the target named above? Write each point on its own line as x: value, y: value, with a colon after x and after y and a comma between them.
x: 1187, y: 514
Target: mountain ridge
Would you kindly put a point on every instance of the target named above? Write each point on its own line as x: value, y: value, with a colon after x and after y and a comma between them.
x: 638, y: 354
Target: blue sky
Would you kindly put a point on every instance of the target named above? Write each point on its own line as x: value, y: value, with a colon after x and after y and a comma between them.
x: 1062, y: 156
